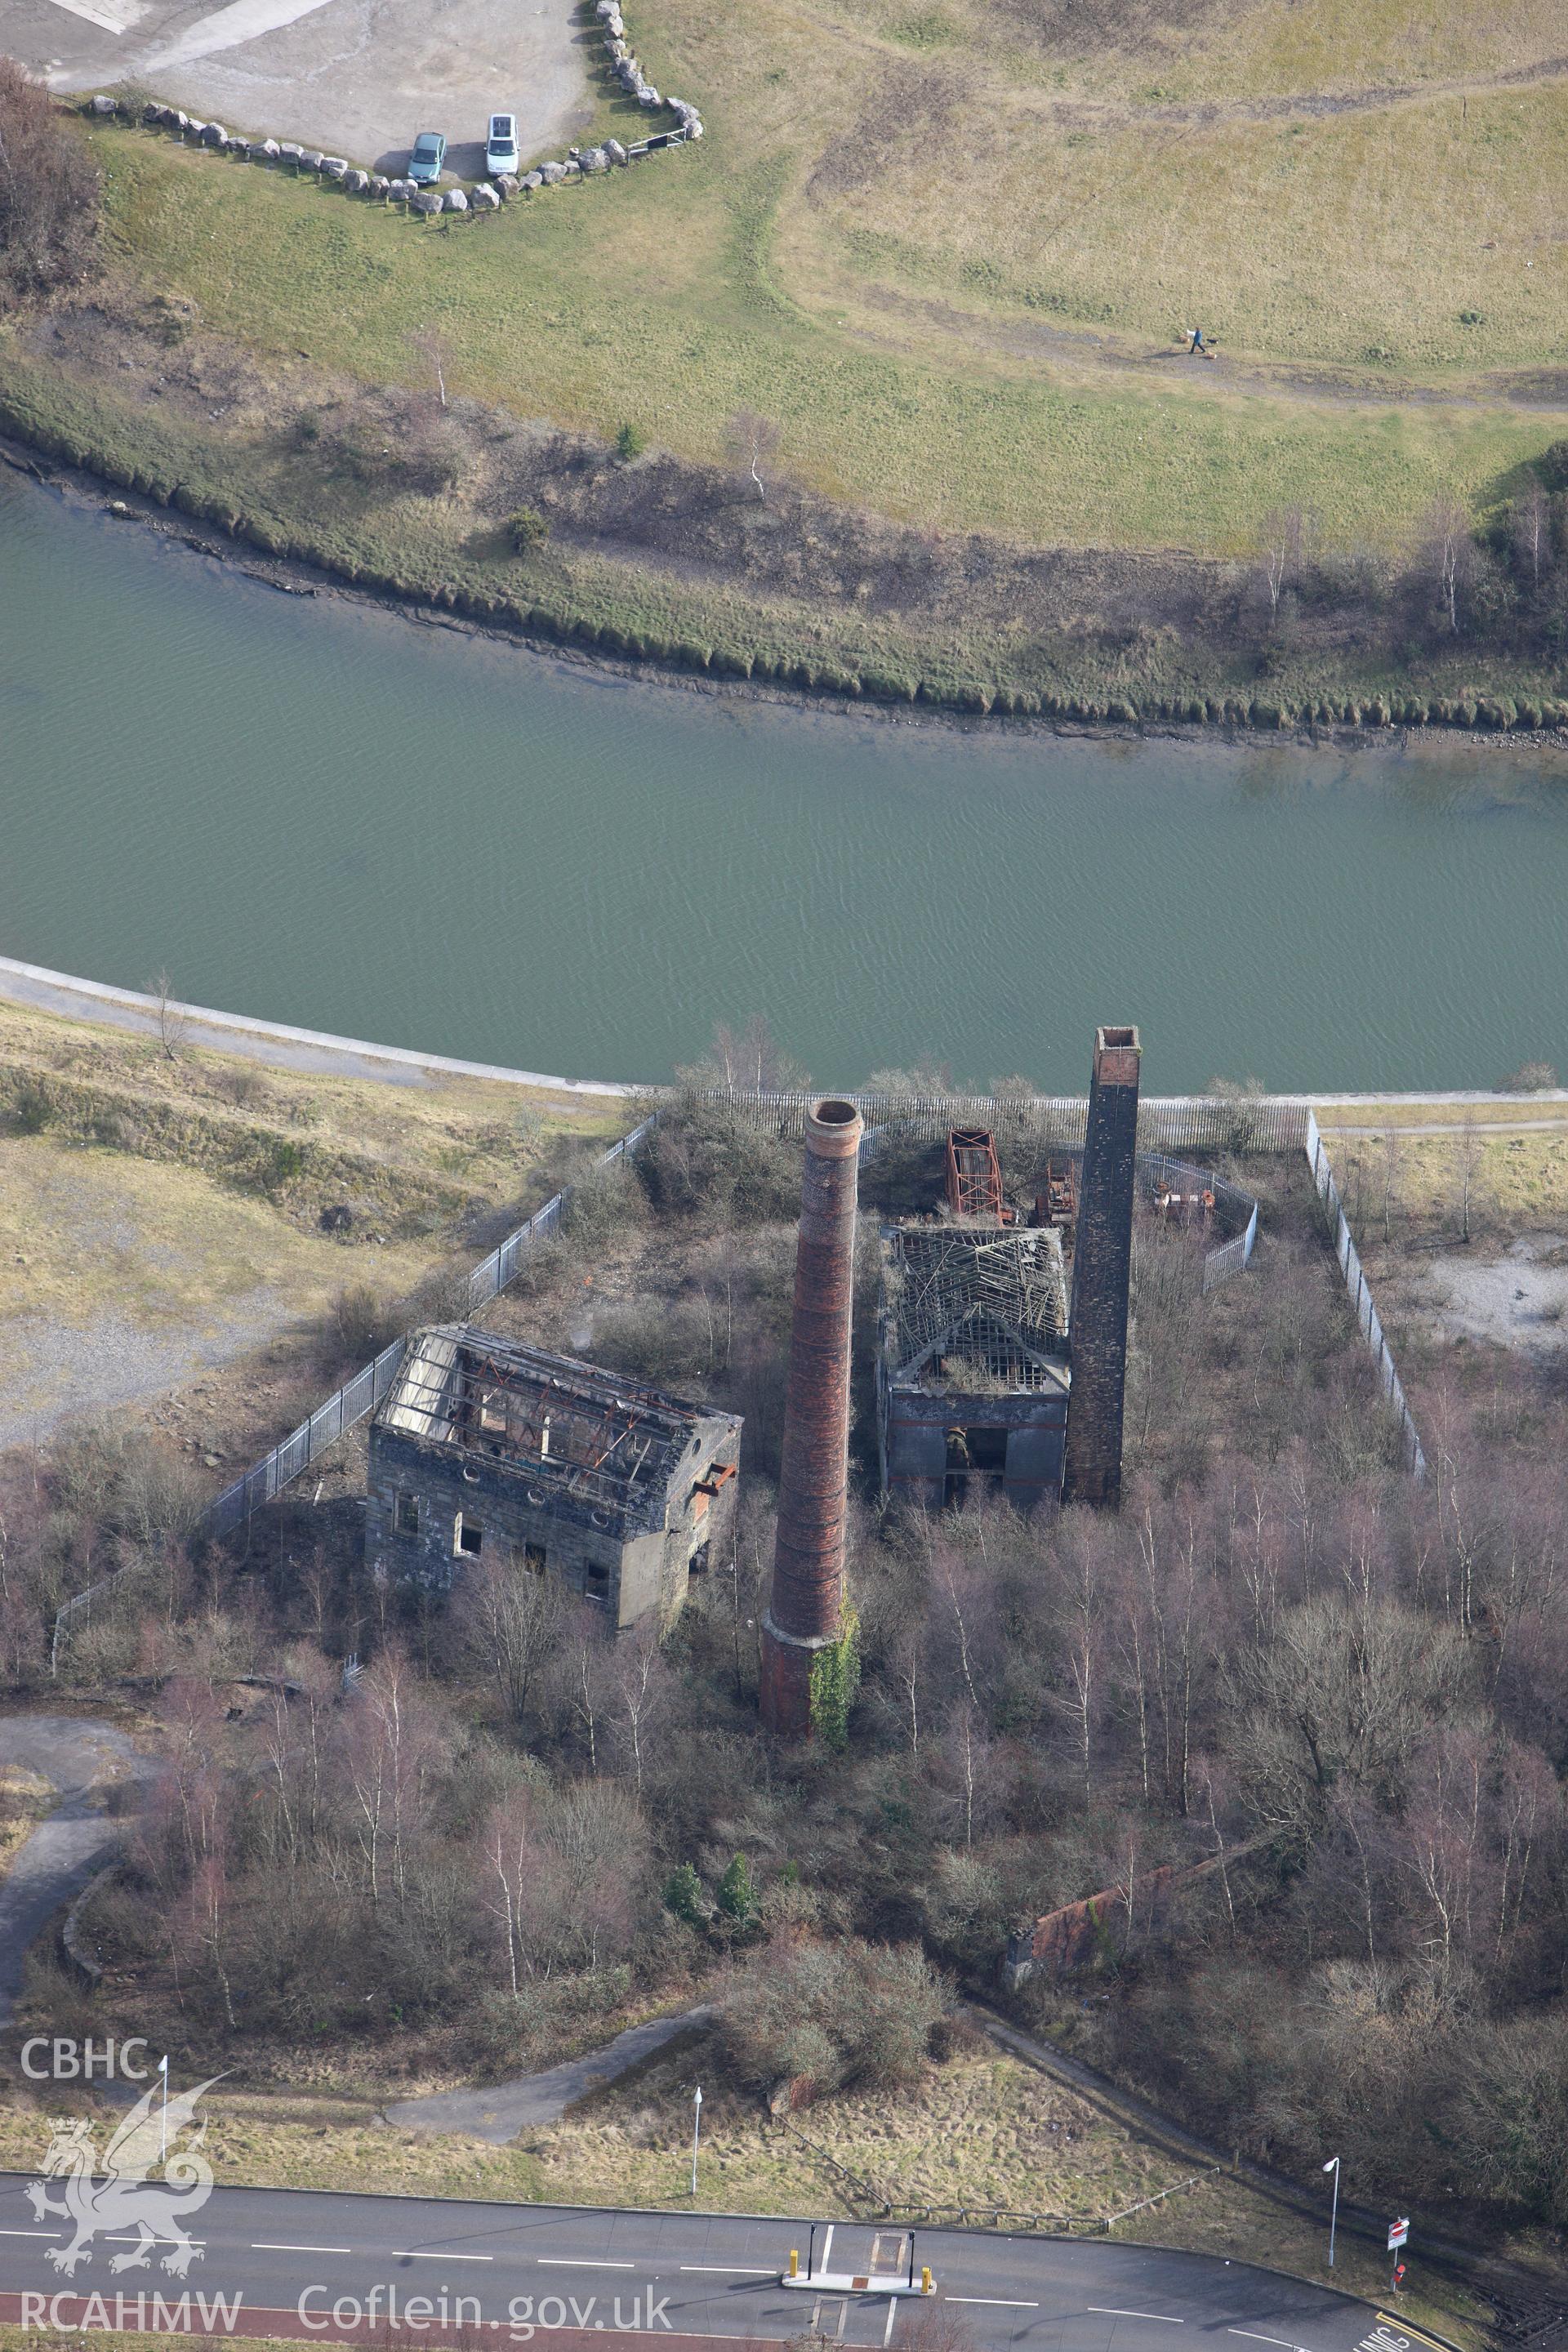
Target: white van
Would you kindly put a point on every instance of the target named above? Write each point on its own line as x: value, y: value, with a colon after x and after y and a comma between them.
x: 500, y: 147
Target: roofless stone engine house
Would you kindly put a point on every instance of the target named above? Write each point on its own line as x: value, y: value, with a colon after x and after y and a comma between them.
x: 484, y: 1449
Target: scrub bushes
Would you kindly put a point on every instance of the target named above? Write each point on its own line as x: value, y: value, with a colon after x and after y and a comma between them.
x: 48, y: 193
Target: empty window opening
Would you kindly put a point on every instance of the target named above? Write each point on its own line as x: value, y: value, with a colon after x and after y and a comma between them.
x: 700, y: 1561
x: 973, y: 1454
x: 407, y: 1514
x: 533, y: 1558
x: 471, y: 1535
x: 597, y: 1582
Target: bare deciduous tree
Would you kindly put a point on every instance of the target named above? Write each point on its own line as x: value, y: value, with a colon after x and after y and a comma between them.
x: 747, y: 1061
x: 642, y: 1681
x: 513, y: 1618
x: 1282, y: 539
x: 1450, y: 553
x: 1532, y: 529
x: 753, y: 442
x: 1391, y: 1163
x: 511, y: 1864
x: 1468, y: 1148
x: 48, y: 190
x: 432, y: 347
x: 173, y: 1021
x: 390, y: 1747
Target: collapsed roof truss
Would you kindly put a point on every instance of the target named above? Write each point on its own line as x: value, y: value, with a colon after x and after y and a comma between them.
x: 965, y: 1301
x: 583, y: 1434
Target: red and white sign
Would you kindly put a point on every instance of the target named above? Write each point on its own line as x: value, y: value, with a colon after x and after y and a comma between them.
x: 1397, y: 2233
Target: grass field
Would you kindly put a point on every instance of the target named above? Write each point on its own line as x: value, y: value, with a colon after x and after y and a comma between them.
x: 1518, y: 1182
x: 168, y: 1212
x: 720, y: 279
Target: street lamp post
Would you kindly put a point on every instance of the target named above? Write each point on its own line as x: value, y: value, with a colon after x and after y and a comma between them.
x: 1333, y: 2166
x: 696, y: 2132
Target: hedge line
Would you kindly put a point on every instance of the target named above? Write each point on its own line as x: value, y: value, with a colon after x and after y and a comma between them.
x: 806, y: 673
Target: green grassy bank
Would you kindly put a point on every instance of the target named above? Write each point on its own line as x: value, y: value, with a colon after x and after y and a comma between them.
x: 436, y: 554
x: 960, y: 513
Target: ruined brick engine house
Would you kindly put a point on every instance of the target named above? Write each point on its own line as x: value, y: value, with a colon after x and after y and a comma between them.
x: 484, y: 1449
x: 985, y: 1379
x: 971, y: 1372
x: 1001, y: 1372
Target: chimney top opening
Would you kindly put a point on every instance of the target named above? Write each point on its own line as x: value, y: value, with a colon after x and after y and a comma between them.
x: 1119, y: 1036
x: 834, y: 1114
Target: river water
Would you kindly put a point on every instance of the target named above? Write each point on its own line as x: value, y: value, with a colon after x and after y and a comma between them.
x: 321, y: 814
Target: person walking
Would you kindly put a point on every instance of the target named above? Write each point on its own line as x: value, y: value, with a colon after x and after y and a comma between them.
x: 1197, y: 346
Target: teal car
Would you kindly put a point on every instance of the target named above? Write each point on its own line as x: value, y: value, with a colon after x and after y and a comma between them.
x: 429, y: 155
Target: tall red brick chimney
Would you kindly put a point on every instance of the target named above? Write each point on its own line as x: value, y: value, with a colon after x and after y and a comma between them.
x: 807, y: 1605
x: 1102, y: 1273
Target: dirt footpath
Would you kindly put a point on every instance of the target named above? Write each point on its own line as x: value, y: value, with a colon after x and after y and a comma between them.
x: 79, y: 1756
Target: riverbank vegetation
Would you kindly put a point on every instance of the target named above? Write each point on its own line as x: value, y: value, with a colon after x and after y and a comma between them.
x: 49, y: 191
x: 508, y: 1833
x: 945, y: 258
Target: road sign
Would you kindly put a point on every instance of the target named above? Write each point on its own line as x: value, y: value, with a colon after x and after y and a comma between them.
x: 1397, y: 2233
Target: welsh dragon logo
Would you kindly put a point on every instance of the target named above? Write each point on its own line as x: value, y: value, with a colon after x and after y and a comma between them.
x: 118, y: 2197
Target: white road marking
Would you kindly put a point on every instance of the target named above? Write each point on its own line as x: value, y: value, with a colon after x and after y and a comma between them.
x: 417, y: 2254
x: 113, y: 15
x: 1252, y: 2332
x: 718, y: 2270
x: 1108, y: 2311
x: 888, y: 2331
x: 827, y: 2245
x: 29, y: 2233
x: 267, y: 2246
x: 997, y: 2302
x: 579, y: 2262
x: 227, y: 29
x: 135, y: 2239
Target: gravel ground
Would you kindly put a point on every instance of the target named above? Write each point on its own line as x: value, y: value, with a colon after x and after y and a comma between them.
x: 1520, y: 1300
x: 54, y: 1372
x: 357, y: 77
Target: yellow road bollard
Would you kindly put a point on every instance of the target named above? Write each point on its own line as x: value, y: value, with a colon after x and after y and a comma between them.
x: 795, y: 2261
x: 925, y: 2278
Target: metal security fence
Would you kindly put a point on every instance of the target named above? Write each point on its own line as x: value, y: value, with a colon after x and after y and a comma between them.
x: 1233, y: 1256
x: 1234, y: 1207
x: 360, y: 1394
x: 1231, y: 1124
x: 492, y: 1273
x: 1360, y: 1294
x: 1240, y: 1124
